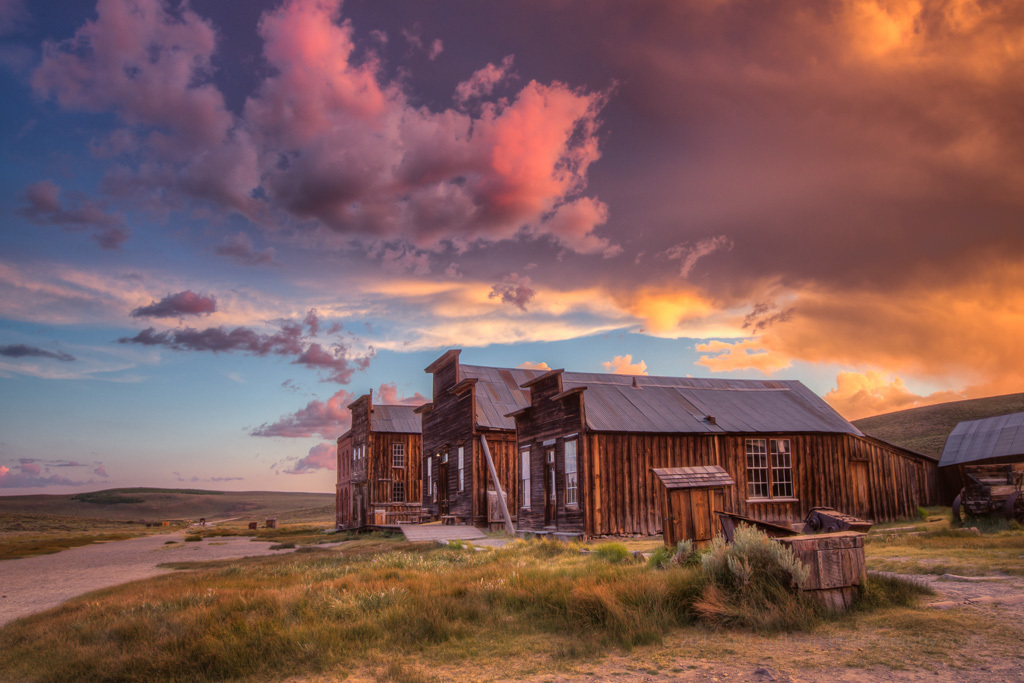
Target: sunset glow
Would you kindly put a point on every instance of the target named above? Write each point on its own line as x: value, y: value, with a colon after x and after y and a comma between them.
x: 223, y: 222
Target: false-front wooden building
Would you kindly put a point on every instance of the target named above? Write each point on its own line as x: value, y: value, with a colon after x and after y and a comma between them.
x: 588, y: 444
x: 990, y: 441
x: 379, y: 466
x: 470, y: 402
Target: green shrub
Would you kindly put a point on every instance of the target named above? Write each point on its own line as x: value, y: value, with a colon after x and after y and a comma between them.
x: 192, y: 538
x: 686, y: 555
x: 753, y: 583
x: 922, y: 514
x: 660, y: 558
x: 283, y: 546
x: 890, y: 591
x: 613, y: 552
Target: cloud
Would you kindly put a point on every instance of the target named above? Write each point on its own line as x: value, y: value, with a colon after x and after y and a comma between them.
x: 624, y: 365
x: 13, y: 16
x: 573, y: 225
x: 746, y: 354
x: 513, y: 290
x: 323, y: 456
x: 240, y: 247
x: 101, y: 471
x: 25, y: 351
x: 764, y: 315
x: 45, y: 208
x: 436, y: 48
x: 328, y: 419
x: 530, y: 365
x: 689, y: 255
x: 483, y: 81
x: 289, y: 340
x: 27, y: 475
x: 388, y: 394
x: 858, y: 395
x: 177, y: 305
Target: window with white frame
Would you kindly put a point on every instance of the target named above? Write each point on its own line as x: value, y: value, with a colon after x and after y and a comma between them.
x: 782, y: 469
x: 462, y: 468
x: 398, y: 491
x: 398, y: 455
x: 571, y: 476
x: 769, y: 468
x: 524, y: 479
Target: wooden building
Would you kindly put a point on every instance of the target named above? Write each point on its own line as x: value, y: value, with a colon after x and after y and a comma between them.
x: 470, y: 402
x: 588, y: 444
x: 990, y: 441
x: 379, y: 466
x: 689, y: 498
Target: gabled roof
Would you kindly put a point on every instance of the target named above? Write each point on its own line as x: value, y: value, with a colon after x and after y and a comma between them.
x: 498, y: 393
x: 991, y: 437
x: 683, y: 405
x: 707, y: 476
x: 400, y: 419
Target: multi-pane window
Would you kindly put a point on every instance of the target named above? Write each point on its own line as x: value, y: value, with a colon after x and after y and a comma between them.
x: 398, y: 455
x: 571, y: 477
x: 769, y: 478
x: 524, y: 479
x: 782, y: 469
x: 462, y: 468
x: 397, y: 491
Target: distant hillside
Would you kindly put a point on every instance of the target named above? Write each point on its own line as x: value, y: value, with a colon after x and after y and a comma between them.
x: 150, y: 504
x: 925, y: 429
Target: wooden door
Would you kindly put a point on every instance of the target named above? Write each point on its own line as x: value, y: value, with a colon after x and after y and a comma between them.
x: 549, y: 488
x: 442, y: 488
x: 359, y: 505
x: 861, y: 499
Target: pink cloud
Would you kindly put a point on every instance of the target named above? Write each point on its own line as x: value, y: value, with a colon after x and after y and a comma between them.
x: 323, y: 456
x: 388, y: 393
x: 28, y: 475
x: 176, y: 305
x: 328, y: 419
x: 101, y: 471
x: 513, y: 290
x: 624, y: 365
x: 30, y: 468
x: 240, y: 247
x: 45, y: 208
x: 688, y: 254
x: 289, y: 340
x: 483, y: 81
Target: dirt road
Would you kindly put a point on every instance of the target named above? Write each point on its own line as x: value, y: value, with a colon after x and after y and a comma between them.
x: 34, y: 584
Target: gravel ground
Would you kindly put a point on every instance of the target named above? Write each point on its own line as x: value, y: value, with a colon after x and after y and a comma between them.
x: 33, y: 584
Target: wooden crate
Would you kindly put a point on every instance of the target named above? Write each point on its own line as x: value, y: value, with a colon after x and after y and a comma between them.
x: 836, y: 564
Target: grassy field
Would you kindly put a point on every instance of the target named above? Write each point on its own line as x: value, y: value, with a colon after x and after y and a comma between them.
x: 33, y: 525
x: 177, y: 504
x: 393, y: 610
x: 925, y: 429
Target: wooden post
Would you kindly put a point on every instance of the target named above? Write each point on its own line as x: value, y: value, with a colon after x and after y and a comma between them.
x: 497, y: 486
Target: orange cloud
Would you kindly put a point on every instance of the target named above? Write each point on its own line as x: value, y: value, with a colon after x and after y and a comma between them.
x: 624, y: 365
x: 530, y: 365
x: 858, y: 395
x: 741, y: 355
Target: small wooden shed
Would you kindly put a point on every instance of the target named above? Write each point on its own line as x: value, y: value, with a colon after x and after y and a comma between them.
x: 689, y: 498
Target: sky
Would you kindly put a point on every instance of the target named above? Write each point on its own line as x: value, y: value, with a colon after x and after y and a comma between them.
x: 222, y: 221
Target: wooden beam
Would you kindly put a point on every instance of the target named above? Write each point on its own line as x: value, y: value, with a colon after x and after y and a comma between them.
x: 497, y: 486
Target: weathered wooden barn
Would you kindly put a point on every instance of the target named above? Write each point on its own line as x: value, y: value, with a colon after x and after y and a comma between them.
x: 588, y: 445
x: 989, y: 441
x: 470, y: 402
x: 379, y: 480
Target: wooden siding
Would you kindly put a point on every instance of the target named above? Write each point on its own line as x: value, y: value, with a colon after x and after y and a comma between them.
x: 446, y: 426
x: 502, y: 445
x: 373, y: 474
x: 842, y: 471
x: 549, y: 420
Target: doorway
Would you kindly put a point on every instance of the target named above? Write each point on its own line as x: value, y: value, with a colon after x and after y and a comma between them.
x: 442, y: 487
x: 549, y: 488
x: 359, y: 505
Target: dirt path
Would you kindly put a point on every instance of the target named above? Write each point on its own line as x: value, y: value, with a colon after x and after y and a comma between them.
x: 34, y: 584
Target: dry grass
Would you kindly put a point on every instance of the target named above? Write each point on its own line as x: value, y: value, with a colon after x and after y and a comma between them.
x: 26, y: 535
x: 387, y: 608
x: 938, y: 548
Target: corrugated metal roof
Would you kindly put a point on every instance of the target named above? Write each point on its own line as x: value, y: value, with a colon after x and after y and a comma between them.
x: 681, y: 404
x: 693, y: 477
x: 990, y: 437
x: 498, y: 393
x: 398, y: 419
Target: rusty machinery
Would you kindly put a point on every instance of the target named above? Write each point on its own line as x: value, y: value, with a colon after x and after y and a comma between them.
x: 991, y: 489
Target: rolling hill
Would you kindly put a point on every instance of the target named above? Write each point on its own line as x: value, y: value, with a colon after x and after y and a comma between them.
x: 152, y: 504
x: 925, y: 429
